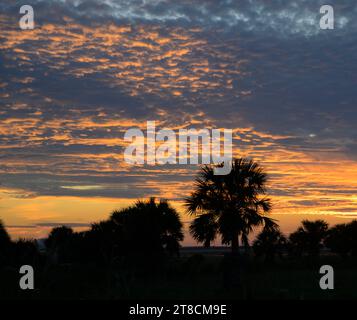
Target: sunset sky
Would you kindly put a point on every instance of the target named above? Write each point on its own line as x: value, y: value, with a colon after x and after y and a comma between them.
x: 90, y: 70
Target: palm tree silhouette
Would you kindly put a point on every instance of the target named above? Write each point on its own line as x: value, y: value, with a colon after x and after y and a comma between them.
x: 106, y: 239
x: 5, y: 244
x: 352, y: 231
x: 342, y: 238
x: 236, y: 203
x: 269, y: 242
x: 59, y: 244
x: 309, y: 237
x: 149, y: 227
x: 338, y: 239
x: 4, y: 236
x: 204, y: 228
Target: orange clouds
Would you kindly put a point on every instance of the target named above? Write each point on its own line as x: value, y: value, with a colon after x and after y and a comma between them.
x: 138, y: 60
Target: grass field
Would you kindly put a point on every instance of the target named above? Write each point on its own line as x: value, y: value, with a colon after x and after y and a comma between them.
x: 193, y: 276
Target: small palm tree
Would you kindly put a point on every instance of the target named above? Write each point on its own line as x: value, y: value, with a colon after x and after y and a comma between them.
x: 4, y: 236
x: 5, y: 244
x: 338, y: 239
x: 309, y: 237
x: 59, y: 244
x: 204, y: 229
x: 235, y: 202
x: 342, y: 239
x: 105, y: 238
x: 352, y: 231
x: 58, y: 236
x: 269, y: 242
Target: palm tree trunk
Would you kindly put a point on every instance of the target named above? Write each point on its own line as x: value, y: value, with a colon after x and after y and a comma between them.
x: 207, y: 244
x: 235, y: 245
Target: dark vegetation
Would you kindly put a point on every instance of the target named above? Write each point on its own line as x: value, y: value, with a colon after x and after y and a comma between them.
x: 136, y: 252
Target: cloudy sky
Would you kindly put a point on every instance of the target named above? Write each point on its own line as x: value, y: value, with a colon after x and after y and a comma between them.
x: 90, y: 70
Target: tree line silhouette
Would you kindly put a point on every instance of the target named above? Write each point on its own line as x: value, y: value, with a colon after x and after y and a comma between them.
x: 149, y: 232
